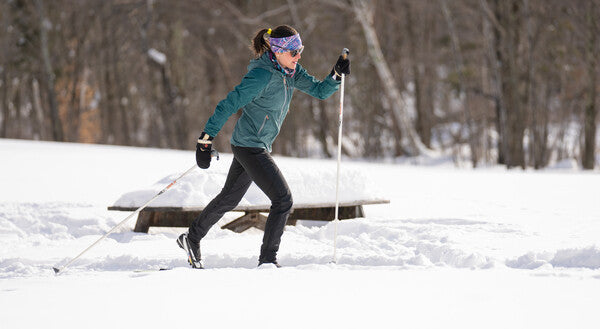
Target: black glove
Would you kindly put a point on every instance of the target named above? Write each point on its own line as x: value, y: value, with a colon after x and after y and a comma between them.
x: 342, y: 66
x: 203, y: 150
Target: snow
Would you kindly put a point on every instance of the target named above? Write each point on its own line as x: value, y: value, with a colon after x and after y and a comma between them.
x: 304, y: 177
x: 455, y: 247
x: 157, y: 56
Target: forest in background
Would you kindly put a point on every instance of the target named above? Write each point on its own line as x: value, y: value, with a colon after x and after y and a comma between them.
x: 512, y: 82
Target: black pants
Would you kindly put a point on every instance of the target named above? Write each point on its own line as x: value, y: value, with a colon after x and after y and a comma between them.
x: 250, y: 165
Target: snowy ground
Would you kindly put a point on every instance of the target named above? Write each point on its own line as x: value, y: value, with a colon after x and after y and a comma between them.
x: 455, y: 248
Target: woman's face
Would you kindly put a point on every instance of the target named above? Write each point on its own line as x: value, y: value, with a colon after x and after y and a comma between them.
x: 286, y: 60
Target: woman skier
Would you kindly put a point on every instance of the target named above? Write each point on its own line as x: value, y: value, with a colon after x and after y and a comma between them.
x: 264, y: 96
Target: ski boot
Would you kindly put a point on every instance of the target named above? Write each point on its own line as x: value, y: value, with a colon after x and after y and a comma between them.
x: 192, y: 250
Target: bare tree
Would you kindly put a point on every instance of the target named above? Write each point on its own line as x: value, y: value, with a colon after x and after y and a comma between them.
x: 510, y: 80
x: 57, y: 126
x: 399, y: 116
x: 591, y: 111
x: 459, y: 64
x: 424, y: 113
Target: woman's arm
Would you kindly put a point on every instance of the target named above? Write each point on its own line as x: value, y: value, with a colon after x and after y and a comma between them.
x: 252, y: 84
x: 312, y: 86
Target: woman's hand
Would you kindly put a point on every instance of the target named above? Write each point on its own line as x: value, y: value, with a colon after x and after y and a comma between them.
x: 203, y: 150
x: 342, y: 66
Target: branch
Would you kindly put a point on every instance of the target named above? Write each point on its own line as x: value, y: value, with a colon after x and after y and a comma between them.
x: 344, y: 5
x: 491, y: 17
x: 258, y: 20
x: 478, y: 91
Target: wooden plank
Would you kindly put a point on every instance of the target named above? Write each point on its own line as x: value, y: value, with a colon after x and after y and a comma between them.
x: 174, y: 218
x: 255, y: 219
x: 327, y: 213
x: 252, y: 219
x: 143, y: 222
x: 148, y: 218
x: 183, y: 217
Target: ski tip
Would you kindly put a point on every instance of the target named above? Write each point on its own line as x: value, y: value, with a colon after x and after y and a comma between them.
x: 56, y: 270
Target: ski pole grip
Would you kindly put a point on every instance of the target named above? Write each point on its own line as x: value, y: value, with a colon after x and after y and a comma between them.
x: 214, y: 154
x: 345, y: 53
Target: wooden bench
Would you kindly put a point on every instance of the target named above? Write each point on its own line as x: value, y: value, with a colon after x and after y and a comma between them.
x: 183, y: 217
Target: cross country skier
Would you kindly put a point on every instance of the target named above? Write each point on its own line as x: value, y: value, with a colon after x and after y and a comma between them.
x: 264, y: 96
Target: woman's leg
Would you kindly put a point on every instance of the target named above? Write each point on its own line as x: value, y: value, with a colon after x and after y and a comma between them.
x: 236, y: 185
x: 260, y: 167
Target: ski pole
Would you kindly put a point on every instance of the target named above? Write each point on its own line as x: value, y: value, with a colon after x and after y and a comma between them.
x: 345, y: 53
x: 58, y: 271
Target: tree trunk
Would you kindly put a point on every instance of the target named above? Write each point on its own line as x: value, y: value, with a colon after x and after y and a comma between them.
x: 172, y: 112
x: 506, y: 19
x: 537, y: 110
x: 57, y: 127
x: 459, y: 65
x: 492, y: 36
x: 17, y: 126
x: 38, y: 112
x: 5, y: 104
x: 74, y: 109
x: 120, y: 121
x: 510, y: 12
x: 589, y: 157
x: 108, y: 111
x: 399, y: 116
x: 423, y: 124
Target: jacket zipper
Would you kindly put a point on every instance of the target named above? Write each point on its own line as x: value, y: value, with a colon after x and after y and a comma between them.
x: 284, y: 99
x: 263, y: 124
x: 285, y: 96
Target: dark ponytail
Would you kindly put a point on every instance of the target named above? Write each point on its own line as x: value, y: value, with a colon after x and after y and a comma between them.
x: 260, y: 43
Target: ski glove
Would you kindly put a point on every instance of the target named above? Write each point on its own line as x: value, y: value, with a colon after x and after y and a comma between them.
x: 342, y: 66
x: 203, y: 150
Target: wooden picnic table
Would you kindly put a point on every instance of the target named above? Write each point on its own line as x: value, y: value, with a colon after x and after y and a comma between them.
x: 253, y: 217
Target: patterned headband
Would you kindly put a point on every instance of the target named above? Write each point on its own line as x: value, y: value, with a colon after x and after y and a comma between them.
x: 281, y: 45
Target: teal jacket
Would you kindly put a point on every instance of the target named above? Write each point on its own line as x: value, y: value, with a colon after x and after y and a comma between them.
x: 264, y: 96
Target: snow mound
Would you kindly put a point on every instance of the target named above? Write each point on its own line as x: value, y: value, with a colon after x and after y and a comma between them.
x: 570, y: 258
x: 52, y: 221
x: 364, y: 243
x: 19, y: 267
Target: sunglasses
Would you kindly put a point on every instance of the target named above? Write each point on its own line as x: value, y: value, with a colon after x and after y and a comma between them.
x: 297, y: 52
x: 294, y: 52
